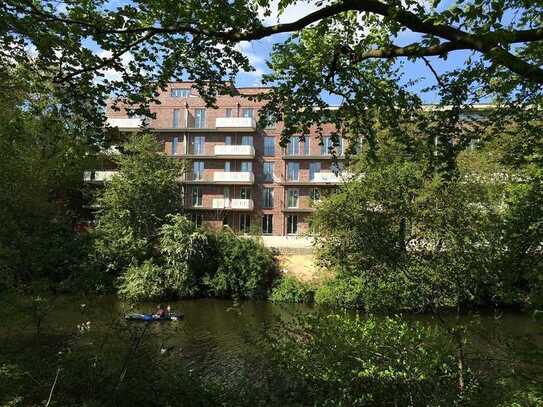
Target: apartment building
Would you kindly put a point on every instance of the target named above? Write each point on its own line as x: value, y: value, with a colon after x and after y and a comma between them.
x: 240, y: 176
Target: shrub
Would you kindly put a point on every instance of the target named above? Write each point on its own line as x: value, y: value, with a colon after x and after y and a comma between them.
x: 245, y: 268
x: 143, y: 282
x: 291, y: 290
x: 341, y: 292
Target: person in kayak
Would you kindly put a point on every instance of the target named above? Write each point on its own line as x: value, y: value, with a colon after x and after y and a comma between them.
x: 160, y: 312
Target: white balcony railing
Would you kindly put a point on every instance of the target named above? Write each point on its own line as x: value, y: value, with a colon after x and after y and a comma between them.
x: 240, y: 204
x: 235, y: 151
x: 98, y: 176
x: 235, y: 123
x: 126, y: 123
x: 234, y: 177
x: 329, y: 177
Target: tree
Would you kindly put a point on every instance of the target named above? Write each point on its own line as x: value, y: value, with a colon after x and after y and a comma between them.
x: 41, y: 169
x: 147, y: 45
x: 136, y: 203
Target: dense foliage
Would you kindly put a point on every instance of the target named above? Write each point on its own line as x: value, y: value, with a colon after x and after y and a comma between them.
x: 193, y: 262
x: 416, y: 239
x: 135, y: 203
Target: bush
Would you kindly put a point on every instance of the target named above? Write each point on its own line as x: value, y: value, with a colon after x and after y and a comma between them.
x: 245, y: 268
x: 291, y: 290
x: 143, y: 282
x: 341, y: 292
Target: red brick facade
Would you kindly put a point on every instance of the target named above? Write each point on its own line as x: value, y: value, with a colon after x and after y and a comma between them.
x: 186, y: 132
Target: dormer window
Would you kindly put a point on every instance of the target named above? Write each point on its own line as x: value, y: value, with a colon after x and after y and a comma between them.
x: 180, y: 93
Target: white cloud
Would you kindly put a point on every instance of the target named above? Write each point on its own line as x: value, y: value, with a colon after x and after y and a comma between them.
x: 111, y: 74
x: 291, y: 13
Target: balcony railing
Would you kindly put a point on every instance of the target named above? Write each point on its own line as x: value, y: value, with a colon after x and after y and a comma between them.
x: 234, y: 177
x: 126, y: 123
x: 98, y: 176
x: 235, y: 204
x: 235, y: 123
x: 234, y: 151
x: 328, y: 178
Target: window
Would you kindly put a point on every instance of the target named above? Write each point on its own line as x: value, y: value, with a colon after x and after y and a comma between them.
x: 326, y: 145
x: 197, y: 219
x: 247, y: 140
x: 269, y: 146
x: 196, y: 196
x: 174, y: 145
x: 228, y: 140
x: 246, y: 166
x: 247, y: 112
x: 267, y: 198
x: 180, y: 93
x: 198, y: 143
x: 293, y: 171
x: 267, y: 224
x: 226, y: 193
x: 313, y: 169
x: 227, y: 166
x: 293, y: 146
x: 315, y: 194
x: 198, y: 170
x: 244, y: 222
x: 229, y: 112
x: 305, y: 144
x: 200, y: 118
x: 176, y: 115
x: 267, y: 170
x: 292, y: 224
x: 292, y: 198
x: 245, y: 193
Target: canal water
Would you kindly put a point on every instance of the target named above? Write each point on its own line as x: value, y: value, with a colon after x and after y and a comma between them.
x: 215, y: 335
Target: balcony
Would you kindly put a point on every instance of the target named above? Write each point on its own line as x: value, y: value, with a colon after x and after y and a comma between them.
x: 234, y: 204
x: 98, y: 176
x: 126, y: 123
x: 328, y: 178
x: 235, y: 123
x: 233, y: 177
x: 229, y: 151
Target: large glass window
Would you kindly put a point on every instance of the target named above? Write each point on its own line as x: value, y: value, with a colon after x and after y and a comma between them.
x: 247, y: 112
x: 197, y: 196
x: 247, y: 140
x: 305, y: 145
x: 292, y: 198
x: 293, y: 171
x: 293, y: 146
x: 315, y: 194
x: 245, y: 193
x: 227, y: 166
x: 180, y: 93
x: 175, y: 140
x: 269, y: 146
x: 226, y: 193
x: 267, y: 197
x: 244, y: 222
x: 292, y: 224
x: 326, y: 145
x: 267, y: 170
x: 200, y: 118
x: 176, y: 116
x: 229, y: 112
x: 198, y: 170
x: 313, y: 169
x: 198, y: 143
x: 267, y: 224
x: 228, y: 140
x: 246, y: 166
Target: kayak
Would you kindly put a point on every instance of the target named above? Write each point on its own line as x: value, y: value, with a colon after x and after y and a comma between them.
x: 152, y: 318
